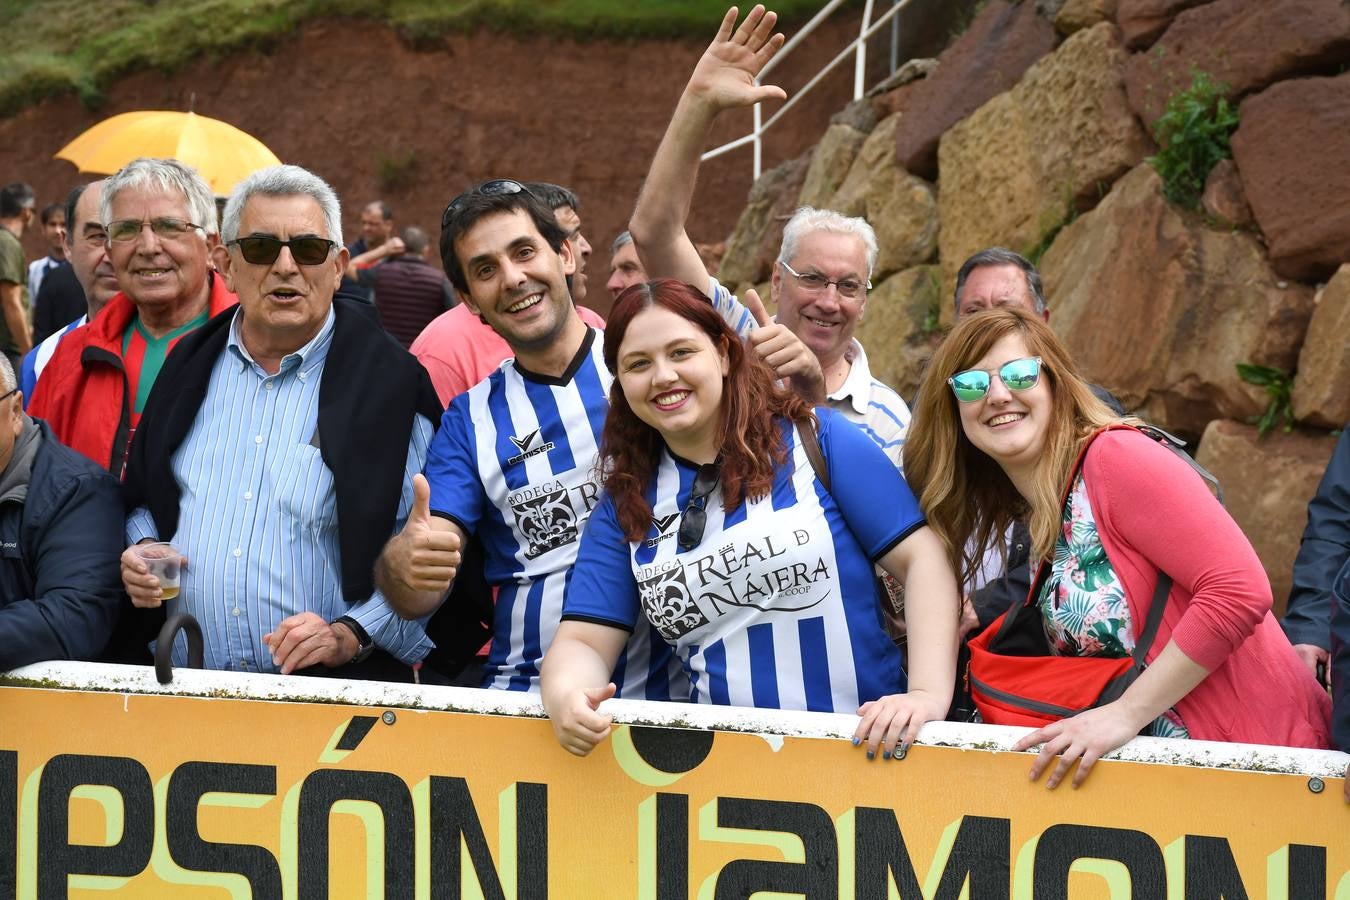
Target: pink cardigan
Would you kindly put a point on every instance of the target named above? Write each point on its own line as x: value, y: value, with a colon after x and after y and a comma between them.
x: 1153, y: 512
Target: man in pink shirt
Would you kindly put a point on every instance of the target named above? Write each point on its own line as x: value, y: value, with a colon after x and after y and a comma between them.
x: 458, y: 349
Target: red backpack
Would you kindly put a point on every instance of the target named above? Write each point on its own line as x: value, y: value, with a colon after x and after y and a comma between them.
x: 1013, y: 677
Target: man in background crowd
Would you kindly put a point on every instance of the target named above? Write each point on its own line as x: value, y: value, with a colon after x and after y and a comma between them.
x: 16, y: 214
x: 625, y: 269
x: 75, y: 292
x: 377, y: 229
x: 53, y: 220
x: 409, y: 292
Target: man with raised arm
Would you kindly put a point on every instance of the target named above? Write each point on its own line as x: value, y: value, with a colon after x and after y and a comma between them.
x: 821, y: 278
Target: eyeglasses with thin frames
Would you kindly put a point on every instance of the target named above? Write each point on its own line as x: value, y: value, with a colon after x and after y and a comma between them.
x: 815, y: 283
x: 694, y: 519
x: 5, y: 396
x: 168, y: 228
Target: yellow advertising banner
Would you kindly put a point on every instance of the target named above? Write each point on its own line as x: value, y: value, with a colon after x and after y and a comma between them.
x: 130, y: 793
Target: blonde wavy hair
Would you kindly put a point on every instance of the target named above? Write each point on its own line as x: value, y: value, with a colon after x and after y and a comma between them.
x: 968, y: 499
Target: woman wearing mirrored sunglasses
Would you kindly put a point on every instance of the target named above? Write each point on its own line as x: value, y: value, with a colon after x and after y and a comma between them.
x: 1001, y: 418
x: 716, y: 529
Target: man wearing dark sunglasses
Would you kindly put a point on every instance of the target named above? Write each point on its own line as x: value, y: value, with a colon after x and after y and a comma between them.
x: 277, y: 453
x: 514, y: 459
x: 159, y: 217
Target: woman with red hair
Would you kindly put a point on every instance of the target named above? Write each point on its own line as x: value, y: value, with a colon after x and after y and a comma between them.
x: 744, y: 526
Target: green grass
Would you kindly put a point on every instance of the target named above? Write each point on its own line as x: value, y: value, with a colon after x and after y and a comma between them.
x: 79, y: 46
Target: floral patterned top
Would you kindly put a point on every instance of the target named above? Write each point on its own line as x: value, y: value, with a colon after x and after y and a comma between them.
x: 1082, y: 601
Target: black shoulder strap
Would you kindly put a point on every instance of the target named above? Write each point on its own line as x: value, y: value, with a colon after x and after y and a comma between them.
x: 811, y: 445
x: 1154, y: 618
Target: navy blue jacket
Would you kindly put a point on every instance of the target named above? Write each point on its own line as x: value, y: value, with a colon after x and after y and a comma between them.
x: 1322, y: 554
x: 60, y: 577
x: 1340, y: 660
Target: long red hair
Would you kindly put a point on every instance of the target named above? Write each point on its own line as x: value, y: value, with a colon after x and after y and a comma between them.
x: 751, y: 441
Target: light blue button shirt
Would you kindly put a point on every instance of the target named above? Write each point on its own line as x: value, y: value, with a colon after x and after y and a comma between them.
x: 258, y: 514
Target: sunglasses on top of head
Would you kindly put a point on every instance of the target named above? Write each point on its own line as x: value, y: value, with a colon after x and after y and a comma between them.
x: 263, y: 250
x: 492, y: 188
x: 1016, y: 375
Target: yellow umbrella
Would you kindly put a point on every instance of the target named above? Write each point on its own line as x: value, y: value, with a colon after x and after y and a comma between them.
x: 223, y: 154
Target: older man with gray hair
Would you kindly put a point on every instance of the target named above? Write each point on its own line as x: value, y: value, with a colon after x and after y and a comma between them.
x: 824, y: 268
x: 278, y: 450
x: 160, y: 220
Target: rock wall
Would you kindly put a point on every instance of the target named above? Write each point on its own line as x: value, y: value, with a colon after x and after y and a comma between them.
x: 1047, y: 155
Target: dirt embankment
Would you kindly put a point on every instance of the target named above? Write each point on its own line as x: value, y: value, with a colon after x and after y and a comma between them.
x: 351, y: 101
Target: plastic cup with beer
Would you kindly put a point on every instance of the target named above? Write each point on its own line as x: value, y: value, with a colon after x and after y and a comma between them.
x: 164, y: 562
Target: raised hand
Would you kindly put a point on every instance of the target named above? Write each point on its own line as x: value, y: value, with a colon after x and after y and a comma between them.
x: 425, y: 554
x: 790, y: 359
x: 725, y: 75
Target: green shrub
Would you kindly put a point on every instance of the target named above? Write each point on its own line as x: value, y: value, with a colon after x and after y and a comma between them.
x: 1193, y: 132
x: 1279, y: 386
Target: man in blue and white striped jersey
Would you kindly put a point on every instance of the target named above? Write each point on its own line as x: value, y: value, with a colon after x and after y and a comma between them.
x: 515, y: 458
x: 822, y: 275
x: 277, y: 453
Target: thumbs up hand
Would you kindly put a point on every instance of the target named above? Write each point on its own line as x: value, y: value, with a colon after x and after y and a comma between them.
x: 425, y: 554
x: 790, y: 359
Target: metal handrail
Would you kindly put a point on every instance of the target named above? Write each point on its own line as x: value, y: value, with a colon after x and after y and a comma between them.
x: 858, y: 47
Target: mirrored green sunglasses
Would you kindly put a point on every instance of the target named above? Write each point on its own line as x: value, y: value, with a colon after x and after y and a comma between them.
x: 1016, y: 375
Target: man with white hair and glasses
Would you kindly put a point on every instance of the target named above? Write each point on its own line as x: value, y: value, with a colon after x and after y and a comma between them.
x: 822, y: 275
x: 160, y: 219
x: 277, y: 453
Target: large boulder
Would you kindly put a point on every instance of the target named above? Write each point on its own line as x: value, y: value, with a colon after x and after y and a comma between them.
x: 899, y: 327
x: 1142, y: 21
x: 987, y: 60
x: 1322, y: 386
x: 1292, y: 149
x: 1075, y: 15
x: 830, y: 162
x: 900, y: 207
x: 1159, y: 308
x: 1247, y: 46
x: 1013, y: 172
x: 753, y: 245
x: 1267, y: 483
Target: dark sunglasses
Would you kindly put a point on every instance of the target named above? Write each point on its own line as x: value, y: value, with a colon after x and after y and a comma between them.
x: 262, y: 250
x: 1016, y: 375
x: 486, y: 189
x: 694, y: 519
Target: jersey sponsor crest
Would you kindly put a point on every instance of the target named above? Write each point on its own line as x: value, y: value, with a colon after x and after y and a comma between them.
x: 668, y: 602
x: 546, y: 519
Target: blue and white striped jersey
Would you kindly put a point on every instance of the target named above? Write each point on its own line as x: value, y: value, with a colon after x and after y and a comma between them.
x: 515, y: 461
x: 866, y: 402
x: 776, y: 606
